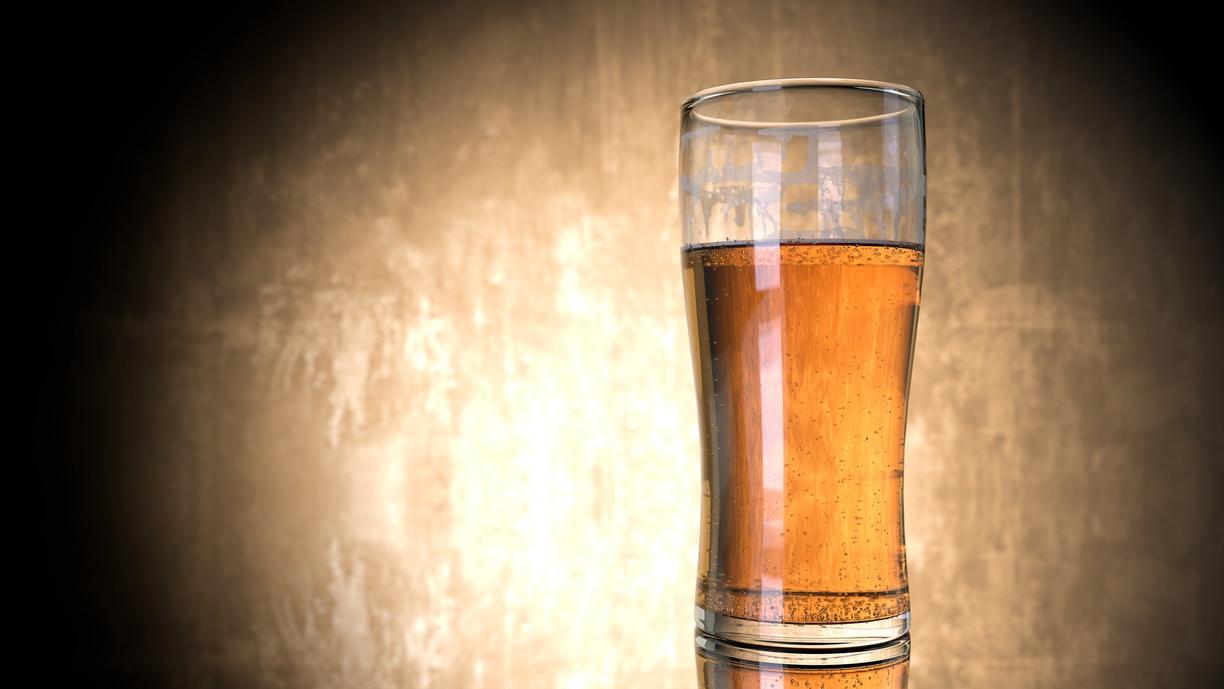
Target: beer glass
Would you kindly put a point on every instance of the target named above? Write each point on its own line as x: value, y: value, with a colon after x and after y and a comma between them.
x: 803, y: 205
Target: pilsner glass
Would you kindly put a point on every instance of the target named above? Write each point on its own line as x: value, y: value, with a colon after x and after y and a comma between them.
x: 804, y: 208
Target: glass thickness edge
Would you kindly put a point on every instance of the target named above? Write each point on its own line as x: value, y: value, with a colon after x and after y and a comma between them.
x: 907, y: 92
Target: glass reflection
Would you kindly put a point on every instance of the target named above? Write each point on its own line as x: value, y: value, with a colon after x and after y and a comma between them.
x: 725, y: 666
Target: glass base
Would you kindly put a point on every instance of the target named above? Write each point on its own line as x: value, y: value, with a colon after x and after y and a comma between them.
x: 723, y: 652
x: 802, y: 637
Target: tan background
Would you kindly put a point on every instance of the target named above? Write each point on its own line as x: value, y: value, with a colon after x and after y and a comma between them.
x: 390, y: 386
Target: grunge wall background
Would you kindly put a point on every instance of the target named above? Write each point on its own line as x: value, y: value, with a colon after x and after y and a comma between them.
x: 367, y: 363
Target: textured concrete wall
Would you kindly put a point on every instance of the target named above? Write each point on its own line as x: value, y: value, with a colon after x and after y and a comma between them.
x: 392, y: 387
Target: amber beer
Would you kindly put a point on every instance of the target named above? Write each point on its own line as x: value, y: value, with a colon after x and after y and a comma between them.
x: 802, y: 355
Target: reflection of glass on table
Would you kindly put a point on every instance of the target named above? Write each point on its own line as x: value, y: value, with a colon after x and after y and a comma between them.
x: 727, y: 666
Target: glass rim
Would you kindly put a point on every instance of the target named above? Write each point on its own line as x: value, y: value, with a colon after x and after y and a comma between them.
x: 913, y: 97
